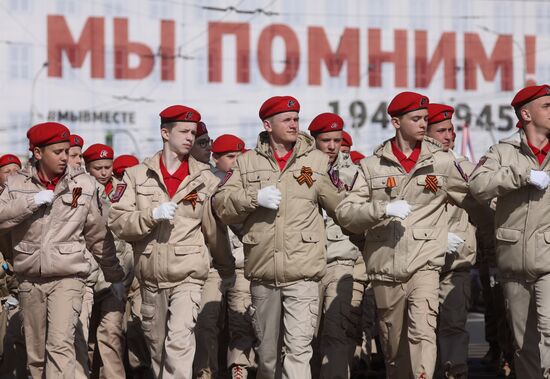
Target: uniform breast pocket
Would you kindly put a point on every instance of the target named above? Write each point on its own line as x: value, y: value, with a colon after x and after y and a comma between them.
x: 71, y: 207
x: 383, y: 187
x: 428, y: 187
x: 259, y: 179
x: 147, y: 197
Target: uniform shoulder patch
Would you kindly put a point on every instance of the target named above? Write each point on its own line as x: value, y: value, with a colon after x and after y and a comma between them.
x: 461, y: 171
x: 228, y: 175
x: 116, y: 195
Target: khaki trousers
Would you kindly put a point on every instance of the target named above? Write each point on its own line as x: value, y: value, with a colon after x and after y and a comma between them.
x: 139, y: 358
x: 295, y: 307
x: 50, y: 315
x: 528, y: 307
x: 452, y: 336
x: 168, y: 321
x: 241, y: 333
x: 407, y: 315
x: 207, y: 331
x: 109, y: 337
x: 82, y: 370
x: 14, y: 360
x: 341, y: 320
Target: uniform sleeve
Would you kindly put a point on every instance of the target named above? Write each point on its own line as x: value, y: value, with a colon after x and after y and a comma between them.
x: 233, y: 202
x: 125, y: 220
x: 14, y: 211
x: 491, y: 179
x: 358, y: 212
x: 100, y: 242
x: 217, y: 239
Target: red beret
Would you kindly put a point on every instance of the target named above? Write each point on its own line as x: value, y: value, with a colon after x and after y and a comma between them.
x: 76, y: 140
x: 176, y: 113
x: 9, y: 159
x: 356, y: 156
x: 406, y: 102
x: 278, y: 104
x: 529, y: 94
x: 346, y: 139
x: 326, y: 122
x: 439, y: 112
x: 227, y: 143
x: 47, y: 133
x: 122, y: 162
x: 98, y: 151
x: 201, y: 129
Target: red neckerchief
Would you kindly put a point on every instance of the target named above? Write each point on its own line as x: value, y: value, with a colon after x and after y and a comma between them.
x: 173, y: 181
x: 540, y: 153
x: 49, y: 185
x: 407, y: 162
x: 282, y: 160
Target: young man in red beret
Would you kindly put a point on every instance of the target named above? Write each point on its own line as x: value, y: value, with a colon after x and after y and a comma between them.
x: 9, y: 164
x: 217, y: 294
x: 275, y: 192
x: 106, y: 325
x: 51, y: 212
x: 399, y: 201
x: 454, y: 279
x: 515, y: 172
x: 342, y: 286
x: 165, y: 213
x: 75, y: 151
x: 202, y: 148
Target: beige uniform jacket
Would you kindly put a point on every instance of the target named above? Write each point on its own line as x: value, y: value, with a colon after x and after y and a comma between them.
x: 167, y: 253
x: 459, y: 224
x: 394, y: 248
x: 522, y: 215
x: 50, y: 241
x: 288, y: 244
x: 338, y: 243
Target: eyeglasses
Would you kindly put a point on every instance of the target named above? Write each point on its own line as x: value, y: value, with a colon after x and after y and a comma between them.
x: 204, y: 142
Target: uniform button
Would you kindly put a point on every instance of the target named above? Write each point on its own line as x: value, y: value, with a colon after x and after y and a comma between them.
x: 279, y: 180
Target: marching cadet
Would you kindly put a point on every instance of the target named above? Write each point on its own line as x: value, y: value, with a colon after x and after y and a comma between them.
x: 52, y: 214
x: 109, y: 305
x: 454, y: 279
x: 515, y: 172
x: 233, y: 294
x: 399, y: 201
x: 275, y: 192
x: 75, y: 151
x: 202, y: 148
x: 165, y: 213
x: 339, y: 294
x: 138, y: 357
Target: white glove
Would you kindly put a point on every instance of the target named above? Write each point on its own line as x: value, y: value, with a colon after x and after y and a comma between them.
x: 269, y: 197
x: 398, y: 208
x: 453, y: 242
x: 539, y: 179
x: 44, y: 197
x: 118, y: 290
x: 165, y: 211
